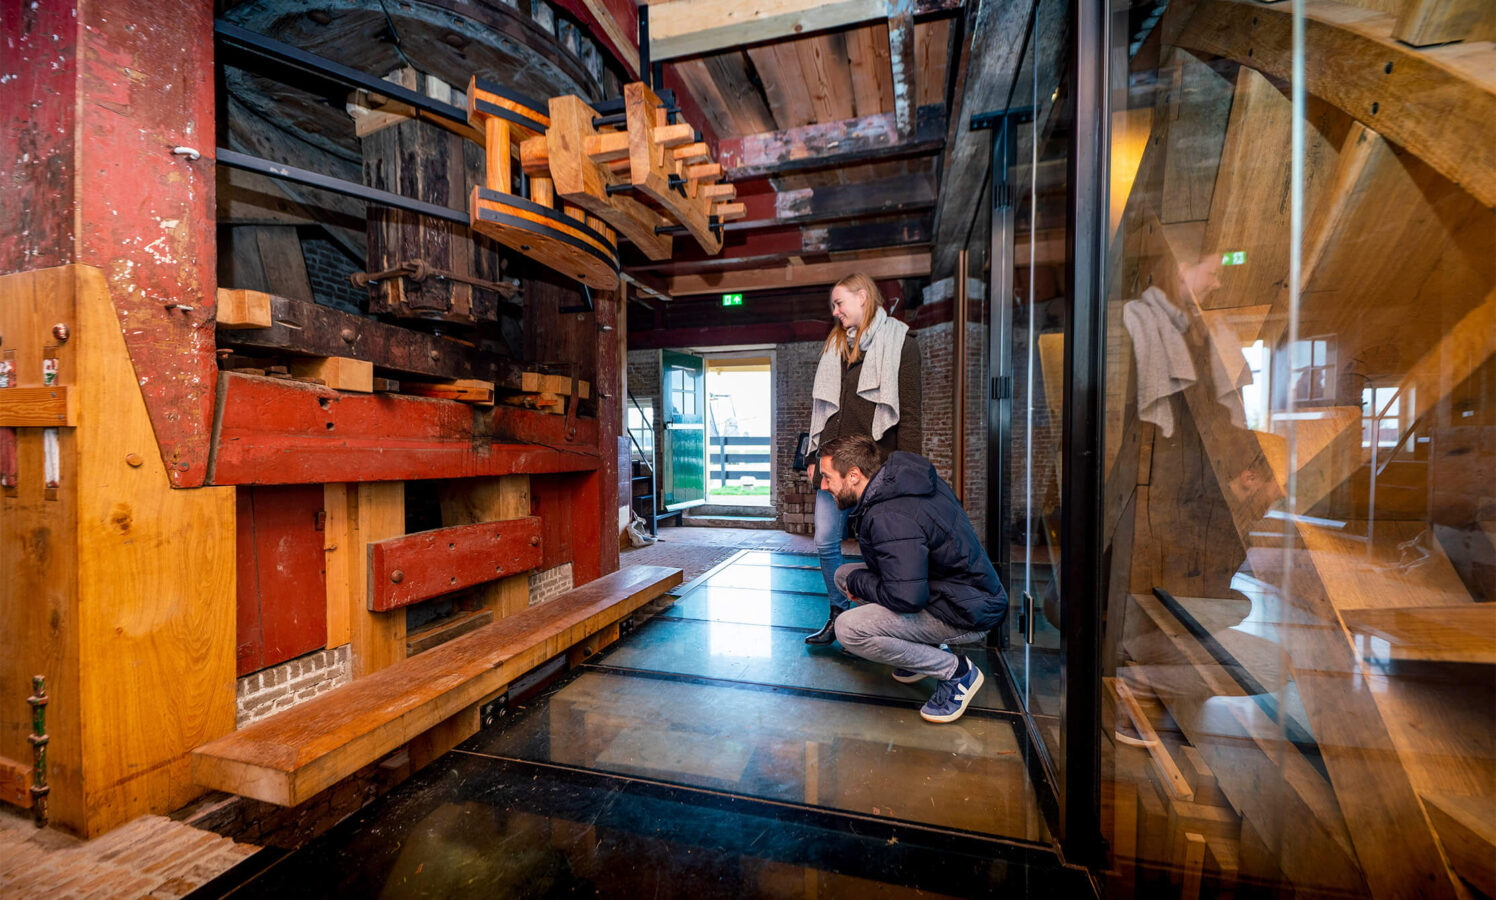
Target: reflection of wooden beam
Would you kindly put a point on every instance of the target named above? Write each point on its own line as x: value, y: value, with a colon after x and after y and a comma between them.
x: 831, y: 144
x: 1465, y: 826
x: 1465, y: 633
x: 906, y: 265
x: 1358, y: 66
x: 1427, y: 22
x: 696, y: 27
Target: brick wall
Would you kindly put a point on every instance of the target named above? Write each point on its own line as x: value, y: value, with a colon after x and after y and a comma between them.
x: 271, y: 690
x: 794, y: 372
x: 328, y: 268
x: 551, y: 583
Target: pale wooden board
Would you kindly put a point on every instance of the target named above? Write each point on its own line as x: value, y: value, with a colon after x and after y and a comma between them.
x: 377, y: 512
x: 470, y: 501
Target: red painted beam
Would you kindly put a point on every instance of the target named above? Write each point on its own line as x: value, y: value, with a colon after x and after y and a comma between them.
x: 272, y: 431
x: 420, y: 566
x: 94, y: 99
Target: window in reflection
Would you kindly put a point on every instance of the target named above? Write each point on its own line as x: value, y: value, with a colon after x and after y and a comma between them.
x: 733, y: 639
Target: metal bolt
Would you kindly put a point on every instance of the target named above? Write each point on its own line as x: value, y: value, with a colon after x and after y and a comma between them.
x: 348, y: 335
x: 133, y: 460
x: 61, y: 332
x: 534, y: 540
x: 189, y: 152
x: 397, y: 576
x: 435, y: 356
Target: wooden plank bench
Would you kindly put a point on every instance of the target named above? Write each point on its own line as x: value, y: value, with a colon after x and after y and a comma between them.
x: 288, y: 758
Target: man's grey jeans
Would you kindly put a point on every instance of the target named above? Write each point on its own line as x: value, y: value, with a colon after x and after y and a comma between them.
x: 906, y: 640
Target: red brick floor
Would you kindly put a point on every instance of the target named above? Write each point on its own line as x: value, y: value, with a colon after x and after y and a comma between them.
x: 695, y: 550
x: 151, y: 856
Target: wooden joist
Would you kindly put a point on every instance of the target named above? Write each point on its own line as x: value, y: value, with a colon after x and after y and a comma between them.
x: 288, y: 758
x: 465, y: 390
x: 839, y: 143
x: 904, y: 265
x: 416, y: 567
x: 1465, y: 828
x: 337, y: 372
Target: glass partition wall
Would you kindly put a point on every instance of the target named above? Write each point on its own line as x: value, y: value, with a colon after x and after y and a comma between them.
x: 1299, y: 452
x: 1242, y: 347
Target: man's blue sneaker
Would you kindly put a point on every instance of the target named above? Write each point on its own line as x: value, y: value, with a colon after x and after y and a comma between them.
x: 904, y: 676
x: 952, y: 696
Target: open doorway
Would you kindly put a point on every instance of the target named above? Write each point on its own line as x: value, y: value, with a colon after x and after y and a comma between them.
x: 740, y: 429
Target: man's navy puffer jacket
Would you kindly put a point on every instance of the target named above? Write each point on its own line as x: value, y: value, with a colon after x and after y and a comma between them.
x: 921, y: 551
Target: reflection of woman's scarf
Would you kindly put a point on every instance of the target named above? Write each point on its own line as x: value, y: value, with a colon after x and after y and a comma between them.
x: 882, y: 344
x: 1163, y: 358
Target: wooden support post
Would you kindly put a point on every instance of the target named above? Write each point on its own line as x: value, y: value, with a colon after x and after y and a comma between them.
x: 958, y: 380
x: 901, y: 56
x: 377, y: 512
x: 500, y: 155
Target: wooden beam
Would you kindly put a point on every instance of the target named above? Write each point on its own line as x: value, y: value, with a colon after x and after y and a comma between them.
x: 416, y: 567
x: 906, y: 265
x: 759, y: 249
x: 1359, y: 67
x: 904, y: 67
x: 271, y: 431
x: 696, y: 27
x: 243, y: 309
x: 831, y: 144
x: 833, y: 202
x: 1463, y: 633
x: 377, y: 512
x: 996, y: 39
x: 1465, y: 828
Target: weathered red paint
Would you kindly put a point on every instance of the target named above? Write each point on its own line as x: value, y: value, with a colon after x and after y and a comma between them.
x: 551, y: 500
x: 417, y: 567
x: 282, y: 585
x: 285, y: 432
x: 94, y: 99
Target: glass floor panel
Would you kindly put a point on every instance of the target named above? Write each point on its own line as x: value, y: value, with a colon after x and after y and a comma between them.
x: 770, y: 578
x: 785, y: 559
x: 760, y: 654
x: 473, y: 826
x: 774, y: 745
x: 747, y: 607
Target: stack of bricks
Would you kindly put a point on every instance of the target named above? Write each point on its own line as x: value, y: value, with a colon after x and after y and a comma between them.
x: 271, y: 690
x: 550, y: 583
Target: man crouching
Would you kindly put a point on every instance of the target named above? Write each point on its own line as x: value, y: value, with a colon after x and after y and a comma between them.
x: 924, y: 580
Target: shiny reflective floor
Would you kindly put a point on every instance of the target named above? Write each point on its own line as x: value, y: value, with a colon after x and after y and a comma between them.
x: 711, y: 753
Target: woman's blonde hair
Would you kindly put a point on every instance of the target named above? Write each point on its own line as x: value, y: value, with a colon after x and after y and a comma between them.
x: 837, y: 340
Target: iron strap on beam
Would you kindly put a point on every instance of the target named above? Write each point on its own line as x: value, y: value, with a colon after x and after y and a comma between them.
x: 248, y: 163
x: 259, y: 45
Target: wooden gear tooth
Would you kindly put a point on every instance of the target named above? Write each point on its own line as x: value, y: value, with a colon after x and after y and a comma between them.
x: 693, y: 153
x: 729, y: 212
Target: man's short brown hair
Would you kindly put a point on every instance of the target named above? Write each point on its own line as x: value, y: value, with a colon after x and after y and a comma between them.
x: 853, y: 451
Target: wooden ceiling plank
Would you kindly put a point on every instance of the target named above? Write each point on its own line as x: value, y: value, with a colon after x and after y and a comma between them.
x: 931, y: 50
x: 779, y: 72
x: 697, y: 27
x: 872, y: 76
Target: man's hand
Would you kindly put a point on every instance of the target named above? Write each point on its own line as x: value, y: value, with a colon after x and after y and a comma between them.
x: 810, y: 473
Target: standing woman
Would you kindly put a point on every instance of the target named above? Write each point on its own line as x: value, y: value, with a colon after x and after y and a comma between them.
x: 867, y: 382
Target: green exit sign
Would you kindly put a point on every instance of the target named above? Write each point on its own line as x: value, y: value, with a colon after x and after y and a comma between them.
x: 732, y: 299
x: 1239, y: 258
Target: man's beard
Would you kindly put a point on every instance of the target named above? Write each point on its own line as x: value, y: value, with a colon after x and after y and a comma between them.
x: 845, y: 498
